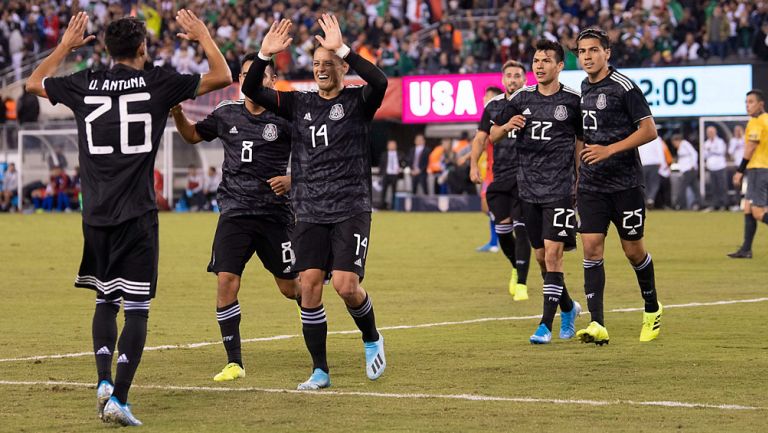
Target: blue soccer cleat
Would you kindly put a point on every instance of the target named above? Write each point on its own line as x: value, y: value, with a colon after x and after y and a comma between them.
x: 488, y: 248
x: 318, y: 380
x: 568, y: 321
x: 116, y: 413
x: 375, y: 361
x: 542, y: 335
x: 103, y: 393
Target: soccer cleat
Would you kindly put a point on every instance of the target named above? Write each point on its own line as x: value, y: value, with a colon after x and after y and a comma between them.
x: 513, y: 282
x: 116, y: 413
x: 230, y: 371
x: 651, y: 325
x: 740, y: 254
x: 103, y: 393
x: 594, y: 333
x: 488, y: 248
x: 318, y: 380
x: 375, y: 362
x: 542, y: 335
x: 521, y: 293
x: 568, y: 321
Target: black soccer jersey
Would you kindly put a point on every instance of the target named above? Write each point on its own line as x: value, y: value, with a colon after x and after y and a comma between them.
x: 546, y: 146
x: 505, y: 162
x: 256, y: 149
x: 331, y: 157
x: 121, y: 115
x: 611, y: 110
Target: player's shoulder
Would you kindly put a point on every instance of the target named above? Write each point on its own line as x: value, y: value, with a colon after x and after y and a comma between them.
x: 228, y: 104
x: 523, y: 92
x: 496, y: 100
x: 621, y: 81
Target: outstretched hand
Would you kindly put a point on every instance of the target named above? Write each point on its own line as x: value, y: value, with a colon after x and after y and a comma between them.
x: 277, y: 38
x: 193, y: 26
x: 332, y: 40
x: 73, y: 36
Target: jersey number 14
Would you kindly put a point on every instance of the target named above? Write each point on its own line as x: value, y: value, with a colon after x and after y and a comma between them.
x: 105, y: 104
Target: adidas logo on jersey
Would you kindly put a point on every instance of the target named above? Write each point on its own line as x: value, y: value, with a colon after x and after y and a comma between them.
x: 287, y: 269
x: 122, y: 359
x: 632, y: 232
x: 563, y: 233
x: 308, y: 117
x: 233, y: 130
x: 104, y: 350
x: 359, y: 262
x: 527, y: 112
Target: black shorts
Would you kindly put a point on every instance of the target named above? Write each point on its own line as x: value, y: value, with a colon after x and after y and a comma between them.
x: 555, y: 221
x: 625, y: 209
x: 503, y: 200
x: 121, y: 261
x: 341, y: 246
x: 238, y: 237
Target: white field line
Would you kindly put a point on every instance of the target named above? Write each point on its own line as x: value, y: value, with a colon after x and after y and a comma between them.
x: 385, y: 328
x: 466, y: 397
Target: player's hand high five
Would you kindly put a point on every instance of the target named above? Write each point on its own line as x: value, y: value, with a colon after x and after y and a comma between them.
x: 73, y: 36
x: 193, y: 26
x: 277, y: 38
x: 332, y: 40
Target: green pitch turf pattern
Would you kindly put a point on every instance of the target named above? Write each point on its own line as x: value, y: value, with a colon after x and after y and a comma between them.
x: 422, y: 269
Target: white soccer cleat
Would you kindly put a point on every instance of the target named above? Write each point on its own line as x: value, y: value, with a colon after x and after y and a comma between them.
x: 116, y: 413
x: 318, y: 380
x: 103, y: 393
x: 375, y: 362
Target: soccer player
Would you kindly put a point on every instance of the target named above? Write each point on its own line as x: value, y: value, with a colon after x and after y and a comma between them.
x: 544, y: 122
x: 502, y: 193
x: 755, y: 163
x: 255, y: 213
x: 616, y: 120
x: 331, y: 184
x: 121, y: 115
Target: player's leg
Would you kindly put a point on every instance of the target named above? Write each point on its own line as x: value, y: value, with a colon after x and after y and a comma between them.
x: 312, y: 244
x: 522, y: 243
x: 493, y: 243
x: 350, y: 243
x: 499, y: 204
x: 750, y: 224
x: 594, y: 217
x: 104, y: 332
x: 760, y: 195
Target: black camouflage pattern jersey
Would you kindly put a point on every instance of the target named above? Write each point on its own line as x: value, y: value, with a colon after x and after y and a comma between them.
x: 256, y: 149
x: 121, y: 115
x: 505, y: 162
x: 611, y: 110
x: 546, y: 146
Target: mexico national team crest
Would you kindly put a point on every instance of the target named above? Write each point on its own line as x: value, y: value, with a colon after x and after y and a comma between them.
x: 270, y: 132
x: 602, y: 102
x: 337, y: 112
x: 561, y: 113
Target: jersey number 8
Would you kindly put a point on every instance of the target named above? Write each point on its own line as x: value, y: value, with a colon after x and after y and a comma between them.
x: 105, y: 103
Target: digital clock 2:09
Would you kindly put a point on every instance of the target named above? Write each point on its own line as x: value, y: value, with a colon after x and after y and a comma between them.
x: 671, y: 92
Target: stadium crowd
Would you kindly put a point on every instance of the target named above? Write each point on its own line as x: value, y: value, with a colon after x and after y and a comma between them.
x: 412, y: 36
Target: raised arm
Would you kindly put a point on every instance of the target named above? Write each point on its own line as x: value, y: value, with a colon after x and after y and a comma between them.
x: 219, y: 75
x: 185, y: 127
x: 71, y: 40
x: 276, y: 40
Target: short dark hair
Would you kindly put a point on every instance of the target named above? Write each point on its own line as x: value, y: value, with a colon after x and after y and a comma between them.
x: 594, y: 33
x: 495, y: 90
x: 513, y: 64
x: 758, y: 94
x: 547, y: 45
x: 124, y: 36
x: 253, y: 55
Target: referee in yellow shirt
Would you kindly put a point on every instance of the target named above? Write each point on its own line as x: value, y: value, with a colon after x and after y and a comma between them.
x: 755, y: 163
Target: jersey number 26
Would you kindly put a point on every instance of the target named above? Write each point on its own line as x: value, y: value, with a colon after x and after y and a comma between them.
x: 105, y: 104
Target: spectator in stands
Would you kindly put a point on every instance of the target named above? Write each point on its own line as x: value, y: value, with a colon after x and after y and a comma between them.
x: 391, y: 163
x: 210, y: 185
x: 458, y: 178
x: 10, y: 187
x: 418, y: 161
x: 654, y: 168
x: 736, y: 145
x: 715, y: 151
x: 689, y: 50
x: 441, y: 162
x: 688, y: 165
x: 716, y: 33
x: 760, y: 44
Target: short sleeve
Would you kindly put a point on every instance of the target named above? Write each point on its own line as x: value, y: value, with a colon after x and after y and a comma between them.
x: 208, y: 128
x: 485, y: 122
x: 754, y: 130
x: 174, y: 88
x: 636, y: 105
x: 68, y: 90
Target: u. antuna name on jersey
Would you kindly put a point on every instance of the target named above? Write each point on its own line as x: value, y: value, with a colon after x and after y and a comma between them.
x: 256, y: 149
x: 546, y: 145
x: 121, y: 115
x: 611, y: 110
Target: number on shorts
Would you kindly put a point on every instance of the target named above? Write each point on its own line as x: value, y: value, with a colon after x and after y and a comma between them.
x: 567, y: 218
x: 288, y: 256
x: 629, y: 214
x: 361, y: 242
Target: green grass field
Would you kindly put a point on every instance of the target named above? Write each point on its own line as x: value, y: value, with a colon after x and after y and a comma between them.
x: 422, y: 269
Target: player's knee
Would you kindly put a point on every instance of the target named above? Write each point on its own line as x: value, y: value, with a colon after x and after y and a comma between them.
x: 289, y: 288
x: 757, y: 212
x: 635, y: 253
